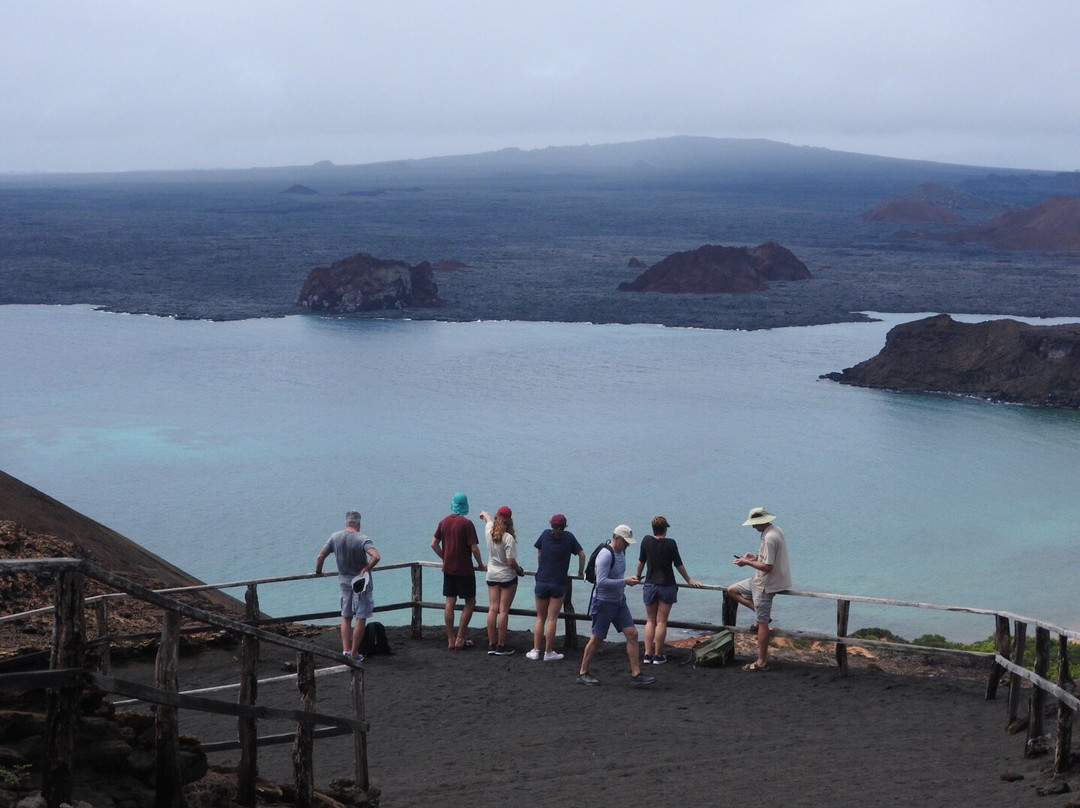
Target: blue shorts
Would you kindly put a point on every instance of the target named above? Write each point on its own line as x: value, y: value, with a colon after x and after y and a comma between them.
x: 606, y: 613
x: 660, y: 592
x: 545, y: 591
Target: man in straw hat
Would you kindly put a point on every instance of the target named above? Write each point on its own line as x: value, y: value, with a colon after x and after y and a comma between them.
x: 772, y: 575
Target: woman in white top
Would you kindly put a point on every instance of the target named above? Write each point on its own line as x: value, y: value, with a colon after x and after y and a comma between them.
x: 502, y: 574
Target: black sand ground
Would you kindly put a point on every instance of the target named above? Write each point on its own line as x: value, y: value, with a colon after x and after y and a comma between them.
x: 465, y: 728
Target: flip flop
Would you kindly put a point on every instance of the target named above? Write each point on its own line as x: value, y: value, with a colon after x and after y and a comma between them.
x: 755, y: 666
x: 460, y: 644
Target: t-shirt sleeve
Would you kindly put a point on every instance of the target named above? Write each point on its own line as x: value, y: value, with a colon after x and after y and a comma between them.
x: 770, y: 545
x: 676, y: 559
x: 471, y: 534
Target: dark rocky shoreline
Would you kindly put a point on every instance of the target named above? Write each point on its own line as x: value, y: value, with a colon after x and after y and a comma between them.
x: 999, y: 360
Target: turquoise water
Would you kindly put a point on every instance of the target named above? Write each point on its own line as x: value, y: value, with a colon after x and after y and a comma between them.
x: 233, y: 449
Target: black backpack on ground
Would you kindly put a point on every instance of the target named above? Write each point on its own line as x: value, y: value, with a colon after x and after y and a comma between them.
x: 375, y: 640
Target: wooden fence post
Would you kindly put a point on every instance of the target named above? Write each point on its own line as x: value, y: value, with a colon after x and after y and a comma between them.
x: 417, y: 624
x: 843, y: 609
x: 1063, y: 753
x: 1036, y: 734
x: 68, y: 651
x: 101, y: 612
x: 1002, y: 645
x: 359, y: 735
x: 570, y: 639
x: 248, y: 770
x: 166, y: 726
x: 304, y: 745
x: 1013, y: 709
x: 729, y: 610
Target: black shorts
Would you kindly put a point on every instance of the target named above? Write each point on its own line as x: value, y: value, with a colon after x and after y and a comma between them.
x: 503, y: 584
x: 459, y: 586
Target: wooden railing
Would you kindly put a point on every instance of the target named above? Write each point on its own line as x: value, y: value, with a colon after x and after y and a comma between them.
x: 68, y: 677
x: 1008, y: 658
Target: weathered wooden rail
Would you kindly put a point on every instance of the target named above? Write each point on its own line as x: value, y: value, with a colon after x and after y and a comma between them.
x: 1007, y: 660
x: 67, y: 677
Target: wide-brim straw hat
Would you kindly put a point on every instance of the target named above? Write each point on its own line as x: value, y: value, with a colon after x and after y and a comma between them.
x: 758, y: 516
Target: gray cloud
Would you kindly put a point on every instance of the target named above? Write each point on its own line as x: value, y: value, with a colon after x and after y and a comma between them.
x: 120, y: 85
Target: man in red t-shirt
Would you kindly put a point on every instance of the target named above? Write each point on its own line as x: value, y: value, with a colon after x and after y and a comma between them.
x: 454, y: 542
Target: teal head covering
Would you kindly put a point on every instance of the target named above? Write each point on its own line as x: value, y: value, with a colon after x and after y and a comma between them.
x: 459, y: 504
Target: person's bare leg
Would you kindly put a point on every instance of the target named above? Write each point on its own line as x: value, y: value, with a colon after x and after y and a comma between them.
x: 736, y: 593
x: 589, y: 652
x: 650, y: 627
x: 538, y: 626
x: 346, y: 634
x: 494, y: 598
x: 357, y: 635
x: 448, y: 619
x: 551, y: 622
x: 466, y: 616
x: 762, y: 644
x: 632, y: 650
x: 660, y: 637
x: 505, y: 602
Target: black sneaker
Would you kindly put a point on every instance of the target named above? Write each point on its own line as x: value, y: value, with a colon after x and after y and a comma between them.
x: 491, y: 650
x: 502, y: 650
x: 659, y: 659
x: 587, y: 679
x: 647, y: 659
x: 641, y: 680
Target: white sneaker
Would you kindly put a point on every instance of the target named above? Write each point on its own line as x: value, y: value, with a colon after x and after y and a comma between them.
x: 552, y: 656
x: 533, y: 654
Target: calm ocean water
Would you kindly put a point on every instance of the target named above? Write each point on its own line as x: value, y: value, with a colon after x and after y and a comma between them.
x: 233, y: 449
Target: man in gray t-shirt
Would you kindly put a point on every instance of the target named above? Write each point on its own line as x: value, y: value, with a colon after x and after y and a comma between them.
x: 356, y: 556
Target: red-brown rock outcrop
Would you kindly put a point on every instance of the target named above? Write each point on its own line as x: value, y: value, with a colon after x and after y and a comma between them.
x: 714, y: 268
x: 1002, y: 360
x: 912, y: 211
x: 1053, y: 224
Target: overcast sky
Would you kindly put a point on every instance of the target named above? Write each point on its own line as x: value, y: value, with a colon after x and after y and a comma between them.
x: 116, y: 85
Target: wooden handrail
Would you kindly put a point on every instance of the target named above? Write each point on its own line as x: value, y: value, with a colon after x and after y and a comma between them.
x: 41, y: 565
x: 249, y: 629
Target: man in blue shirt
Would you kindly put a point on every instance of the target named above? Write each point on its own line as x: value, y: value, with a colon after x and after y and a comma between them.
x: 609, y: 608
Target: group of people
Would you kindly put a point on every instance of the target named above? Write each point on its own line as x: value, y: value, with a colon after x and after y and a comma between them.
x: 456, y: 543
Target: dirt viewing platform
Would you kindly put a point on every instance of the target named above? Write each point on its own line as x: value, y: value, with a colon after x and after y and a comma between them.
x: 872, y: 725
x: 467, y: 728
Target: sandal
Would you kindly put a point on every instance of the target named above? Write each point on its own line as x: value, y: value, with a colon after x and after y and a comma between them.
x: 755, y: 666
